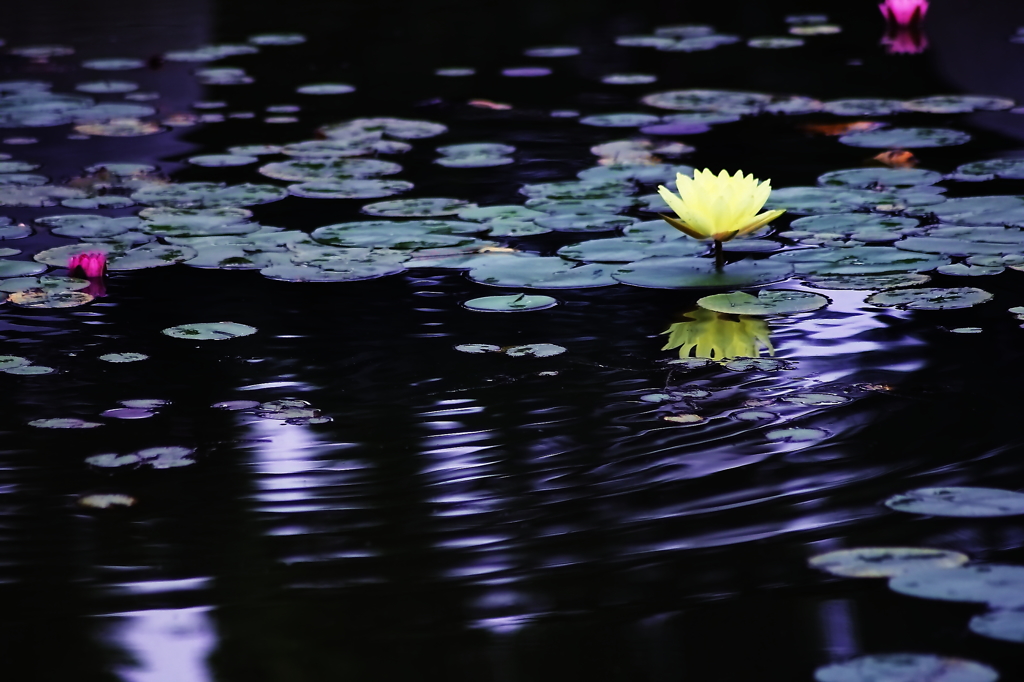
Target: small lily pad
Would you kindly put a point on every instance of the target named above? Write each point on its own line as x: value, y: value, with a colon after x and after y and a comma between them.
x: 906, y: 668
x: 349, y: 189
x: 63, y: 423
x: 534, y: 350
x: 123, y: 357
x: 49, y: 298
x: 620, y: 120
x: 417, y: 208
x: 815, y: 399
x: 110, y: 461
x: 325, y: 89
x: 666, y: 272
x: 478, y: 348
x: 959, y: 502
x: 930, y: 298
x: 757, y: 365
x: 767, y: 302
x: 222, y: 160
x: 208, y: 195
x: 209, y: 331
x: 905, y: 138
x: 795, y: 435
x: 509, y: 304
x: 126, y: 413
x: 30, y: 370
x: 11, y: 361
x: 999, y: 586
x: 885, y: 562
x: 106, y: 501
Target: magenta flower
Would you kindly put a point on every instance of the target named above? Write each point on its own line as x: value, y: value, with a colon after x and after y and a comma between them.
x: 904, y: 12
x: 92, y: 264
x: 905, y: 40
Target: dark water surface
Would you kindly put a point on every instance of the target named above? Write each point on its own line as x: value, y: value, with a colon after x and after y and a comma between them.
x: 486, y: 517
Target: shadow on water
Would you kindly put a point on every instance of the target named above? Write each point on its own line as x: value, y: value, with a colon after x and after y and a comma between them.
x: 484, y: 516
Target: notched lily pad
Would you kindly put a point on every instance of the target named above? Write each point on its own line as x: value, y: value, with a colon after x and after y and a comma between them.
x: 123, y: 357
x: 766, y: 302
x: 63, y: 423
x: 534, y: 350
x: 417, y: 208
x: 510, y: 304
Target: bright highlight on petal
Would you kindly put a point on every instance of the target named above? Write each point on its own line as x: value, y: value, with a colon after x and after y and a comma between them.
x: 718, y: 207
x: 904, y: 12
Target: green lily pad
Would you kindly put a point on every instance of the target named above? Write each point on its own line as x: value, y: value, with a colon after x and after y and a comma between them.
x: 150, y: 256
x: 653, y: 174
x: 110, y: 461
x: 37, y: 197
x: 489, y: 213
x: 510, y: 227
x: 885, y: 562
x: 999, y: 586
x: 552, y: 52
x: 959, y: 501
x: 774, y: 43
x: 620, y: 120
x: 866, y: 178
x: 88, y: 225
x: 628, y: 78
x: 795, y: 435
x: 754, y: 416
x: 958, y: 104
x: 541, y: 273
x: 816, y: 399
x: 104, y: 201
x: 1010, y: 169
x: 107, y: 87
x: 510, y: 304
x: 18, y: 268
x: 816, y: 200
x: 349, y: 272
x: 123, y: 357
x: 767, y: 302
x: 349, y: 189
x: 930, y: 298
x: 700, y: 44
x: 474, y: 161
x: 10, y: 361
x: 113, y: 64
x: 63, y: 423
x: 864, y: 107
x: 858, y: 260
x: 23, y: 179
x: 403, y: 129
x: 534, y: 350
x: 17, y: 166
x: 962, y: 270
x: 905, y: 138
x: 592, y: 222
x: 8, y: 231
x: 478, y: 348
x: 208, y: 195
x: 277, y: 39
x: 906, y: 668
x: 579, y: 190
x: 30, y: 370
x: 331, y: 149
x: 325, y: 89
x: 45, y: 282
x: 417, y: 208
x: 255, y: 149
x: 860, y: 226
x: 999, y: 210
x: 307, y: 170
x: 666, y: 272
x: 628, y: 250
x: 222, y: 160
x: 416, y: 234
x: 1004, y: 624
x: 708, y: 100
x: 866, y: 282
x: 209, y: 331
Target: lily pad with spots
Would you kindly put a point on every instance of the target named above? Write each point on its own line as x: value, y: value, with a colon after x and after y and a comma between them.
x: 63, y: 423
x: 541, y: 273
x: 208, y: 195
x: 885, y: 562
x: 667, y: 272
x: 48, y: 298
x: 510, y: 304
x: 417, y: 208
x: 123, y: 357
x: 1004, y: 624
x: 906, y: 668
x: 998, y: 585
x: 18, y: 268
x: 766, y: 302
x: 930, y: 298
x: 905, y: 138
x: 865, y: 178
x: 349, y: 189
x: 959, y: 501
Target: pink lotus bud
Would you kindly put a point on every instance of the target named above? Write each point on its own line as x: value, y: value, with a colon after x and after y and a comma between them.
x: 91, y: 264
x: 905, y: 40
x: 904, y: 12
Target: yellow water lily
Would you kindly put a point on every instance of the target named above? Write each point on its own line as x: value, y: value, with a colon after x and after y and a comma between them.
x: 718, y: 207
x: 706, y: 334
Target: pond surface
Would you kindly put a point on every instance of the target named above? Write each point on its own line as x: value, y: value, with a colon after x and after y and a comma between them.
x: 479, y: 428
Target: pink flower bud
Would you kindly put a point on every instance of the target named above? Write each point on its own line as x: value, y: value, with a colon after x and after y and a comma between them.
x: 91, y: 264
x: 904, y: 12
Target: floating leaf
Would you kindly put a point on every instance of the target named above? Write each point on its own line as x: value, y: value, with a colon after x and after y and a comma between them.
x: 325, y: 89
x: 906, y: 668
x: 534, y: 350
x: 958, y: 104
x: 930, y: 298
x: 1004, y: 624
x: 106, y: 501
x: 349, y: 189
x: 767, y: 302
x: 815, y: 399
x: 620, y: 120
x: 277, y: 39
x: 417, y: 208
x: 1000, y: 586
x: 113, y: 64
x: 48, y: 298
x: 864, y: 107
x: 864, y: 178
x: 11, y: 361
x: 866, y: 282
x: 666, y: 272
x: 63, y: 423
x: 110, y: 461
x: 208, y: 195
x: 124, y: 357
x: 209, y: 331
x: 795, y: 435
x: 478, y: 348
x: 28, y: 370
x: 774, y: 43
x: 757, y: 364
x: 959, y: 501
x: 541, y: 273
x: 509, y: 304
x: 906, y: 138
x: 222, y: 160
x: 17, y: 268
x: 885, y: 562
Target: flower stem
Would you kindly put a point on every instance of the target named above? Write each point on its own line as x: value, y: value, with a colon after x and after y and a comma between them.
x: 719, y: 256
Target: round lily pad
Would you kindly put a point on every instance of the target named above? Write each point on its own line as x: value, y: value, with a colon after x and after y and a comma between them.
x: 11, y: 361
x: 107, y: 87
x: 999, y: 210
x: 325, y: 89
x: 774, y: 43
x: 553, y: 51
x: 958, y: 104
x: 349, y: 189
x: 404, y: 129
x: 63, y: 423
x: 110, y: 461
x: 222, y: 160
x: 17, y: 268
x: 48, y: 298
x: 766, y: 302
x: 590, y: 222
x: 478, y: 348
x: 1000, y: 586
x: 1010, y: 169
x: 905, y: 138
x: 417, y: 208
x: 8, y: 231
x: 906, y: 668
x: 858, y: 260
x: 864, y: 107
x: 1004, y: 624
x: 534, y: 350
x: 510, y: 304
x: 209, y: 331
x: 541, y: 273
x: 310, y: 169
x: 959, y: 501
x: 113, y: 64
x: 795, y: 435
x: 120, y: 127
x: 126, y: 413
x: 627, y: 250
x: 150, y: 256
x: 123, y: 357
x: 930, y: 298
x: 348, y: 272
x: 620, y: 120
x: 208, y: 195
x: 102, y: 201
x: 885, y: 562
x: 628, y: 78
x: 277, y: 39
x: 708, y: 100
x: 864, y: 178
x: 29, y: 370
x: 666, y: 272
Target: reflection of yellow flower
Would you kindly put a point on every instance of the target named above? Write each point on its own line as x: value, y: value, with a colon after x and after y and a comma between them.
x: 718, y: 207
x: 707, y: 334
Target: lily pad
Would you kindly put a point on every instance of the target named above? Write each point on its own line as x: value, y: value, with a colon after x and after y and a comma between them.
x: 349, y: 189
x: 48, y: 298
x: 866, y: 282
x: 325, y: 89
x: 795, y: 435
x: 905, y: 138
x: 757, y: 365
x: 222, y: 160
x: 150, y: 256
x: 930, y: 298
x: 107, y: 87
x: 417, y: 208
x: 766, y: 302
x: 63, y: 423
x: 113, y: 64
x: 666, y: 272
x: 858, y: 260
x: 906, y: 668
x: 999, y: 586
x: 478, y: 348
x: 123, y: 357
x: 404, y: 129
x: 305, y: 170
x: 1004, y: 624
x: 620, y: 120
x: 591, y: 222
x: 110, y: 461
x: 18, y: 268
x: 277, y: 39
x: 534, y: 350
x: 541, y: 273
x: 349, y: 272
x: 865, y: 178
x: 628, y: 250
x: 864, y: 107
x: 10, y: 361
x: 209, y: 331
x: 959, y: 502
x: 208, y: 195
x: 958, y: 104
x: 885, y: 562
x: 510, y: 304
x: 552, y: 52
x: 709, y: 100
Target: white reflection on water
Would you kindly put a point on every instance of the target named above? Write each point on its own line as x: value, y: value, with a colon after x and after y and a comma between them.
x: 169, y: 645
